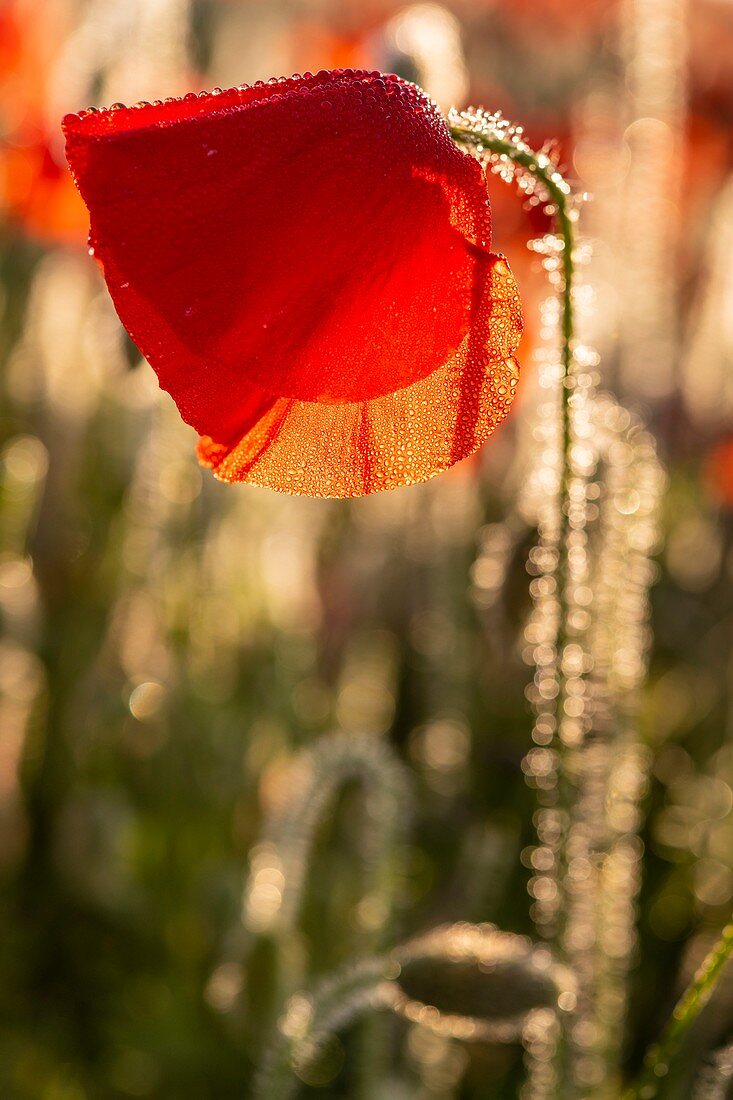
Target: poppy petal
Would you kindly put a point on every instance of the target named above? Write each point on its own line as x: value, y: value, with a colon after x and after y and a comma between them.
x: 306, y: 264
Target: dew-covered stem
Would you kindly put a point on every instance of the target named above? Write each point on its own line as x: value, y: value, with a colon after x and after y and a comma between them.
x: 593, y: 494
x: 557, y: 192
x: 284, y: 854
x: 501, y: 146
x: 481, y: 954
x: 493, y: 135
x: 311, y: 1019
x: 280, y: 863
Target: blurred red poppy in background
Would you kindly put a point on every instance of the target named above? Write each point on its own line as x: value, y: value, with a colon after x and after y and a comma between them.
x: 35, y: 189
x: 39, y: 193
x: 306, y: 264
x: 718, y: 471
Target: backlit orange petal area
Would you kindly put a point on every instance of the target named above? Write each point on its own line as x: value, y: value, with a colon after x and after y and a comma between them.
x: 306, y: 264
x: 398, y: 439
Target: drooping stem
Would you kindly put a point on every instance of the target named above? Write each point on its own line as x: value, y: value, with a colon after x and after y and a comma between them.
x: 691, y: 1003
x: 503, y: 149
x: 584, y: 882
x: 488, y: 137
x: 281, y: 861
x: 538, y: 175
x: 283, y: 856
x: 311, y: 1019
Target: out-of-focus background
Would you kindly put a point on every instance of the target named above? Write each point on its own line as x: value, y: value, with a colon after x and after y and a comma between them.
x: 170, y: 642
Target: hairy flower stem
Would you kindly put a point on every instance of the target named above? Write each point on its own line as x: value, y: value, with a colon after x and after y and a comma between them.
x: 285, y: 854
x: 690, y: 1005
x: 558, y: 194
x: 311, y: 1019
x: 494, y: 141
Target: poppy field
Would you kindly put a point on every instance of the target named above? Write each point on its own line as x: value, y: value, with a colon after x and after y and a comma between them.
x: 366, y: 550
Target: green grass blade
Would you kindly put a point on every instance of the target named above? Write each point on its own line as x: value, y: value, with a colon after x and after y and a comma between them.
x: 661, y: 1056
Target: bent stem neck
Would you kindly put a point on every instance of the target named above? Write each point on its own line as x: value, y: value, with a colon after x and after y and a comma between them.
x: 502, y: 148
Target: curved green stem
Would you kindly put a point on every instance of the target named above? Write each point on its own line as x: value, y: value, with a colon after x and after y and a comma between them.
x: 310, y: 1019
x: 537, y: 173
x: 285, y: 854
x: 557, y: 191
x: 688, y: 1008
x: 542, y: 169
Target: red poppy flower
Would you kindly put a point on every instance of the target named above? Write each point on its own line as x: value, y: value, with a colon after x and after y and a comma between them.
x: 306, y: 264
